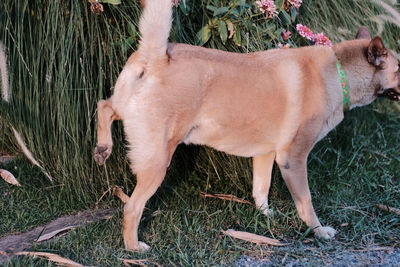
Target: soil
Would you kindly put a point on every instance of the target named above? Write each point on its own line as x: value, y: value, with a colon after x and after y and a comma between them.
x: 374, y: 257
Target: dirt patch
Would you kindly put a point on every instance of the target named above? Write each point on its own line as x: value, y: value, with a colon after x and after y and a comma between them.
x: 21, y: 241
x: 373, y: 257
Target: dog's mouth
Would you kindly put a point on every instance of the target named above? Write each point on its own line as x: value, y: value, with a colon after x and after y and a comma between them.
x: 391, y: 94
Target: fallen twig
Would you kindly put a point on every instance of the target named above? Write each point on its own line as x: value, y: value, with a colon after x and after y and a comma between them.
x: 117, y: 191
x: 387, y: 208
x: 225, y: 197
x: 23, y: 241
x: 98, y: 201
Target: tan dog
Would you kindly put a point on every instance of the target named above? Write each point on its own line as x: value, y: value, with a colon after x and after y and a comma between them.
x: 272, y: 106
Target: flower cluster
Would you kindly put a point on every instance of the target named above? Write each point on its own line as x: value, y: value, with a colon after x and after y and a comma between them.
x: 280, y: 45
x: 318, y: 38
x: 321, y: 39
x: 268, y: 7
x: 295, y: 3
x: 175, y: 2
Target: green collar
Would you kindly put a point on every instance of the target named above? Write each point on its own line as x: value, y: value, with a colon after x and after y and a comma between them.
x: 344, y: 84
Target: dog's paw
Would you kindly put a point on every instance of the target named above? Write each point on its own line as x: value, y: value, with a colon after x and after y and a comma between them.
x: 325, y: 232
x: 267, y: 212
x: 101, y: 154
x: 140, y: 247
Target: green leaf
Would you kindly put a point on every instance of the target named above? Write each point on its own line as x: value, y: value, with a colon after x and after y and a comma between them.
x: 237, y: 39
x: 184, y: 7
x: 212, y: 8
x: 287, y: 17
x: 279, y: 3
x: 223, y: 32
x: 221, y: 10
x: 235, y: 12
x: 203, y: 35
x: 242, y: 3
x: 293, y: 14
x: 112, y: 2
x: 131, y: 29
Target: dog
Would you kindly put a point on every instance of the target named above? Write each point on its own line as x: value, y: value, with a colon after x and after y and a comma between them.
x: 273, y: 105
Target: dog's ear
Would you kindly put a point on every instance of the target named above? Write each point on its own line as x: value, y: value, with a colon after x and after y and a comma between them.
x: 377, y: 52
x: 363, y: 33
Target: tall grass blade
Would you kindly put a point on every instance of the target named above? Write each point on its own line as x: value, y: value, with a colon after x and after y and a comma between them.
x: 3, y: 73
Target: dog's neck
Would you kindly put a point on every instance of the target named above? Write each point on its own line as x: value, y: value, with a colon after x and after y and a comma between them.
x: 345, y: 86
x: 351, y: 55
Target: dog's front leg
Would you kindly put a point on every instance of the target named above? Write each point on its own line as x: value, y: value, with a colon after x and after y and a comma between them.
x: 106, y: 116
x: 294, y: 173
x: 262, y: 168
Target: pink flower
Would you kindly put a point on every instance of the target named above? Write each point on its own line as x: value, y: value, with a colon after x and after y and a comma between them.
x: 295, y: 3
x: 318, y: 39
x: 175, y: 2
x: 321, y: 39
x: 268, y: 7
x: 280, y: 45
x: 286, y: 34
x: 305, y: 32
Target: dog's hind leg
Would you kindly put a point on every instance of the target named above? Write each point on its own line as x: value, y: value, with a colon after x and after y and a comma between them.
x: 147, y: 183
x: 150, y: 171
x: 262, y: 168
x: 106, y: 115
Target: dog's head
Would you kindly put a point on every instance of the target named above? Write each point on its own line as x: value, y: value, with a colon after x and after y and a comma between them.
x: 386, y: 77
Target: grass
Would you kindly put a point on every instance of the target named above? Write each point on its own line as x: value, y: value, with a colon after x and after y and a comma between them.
x: 352, y: 169
x: 76, y: 63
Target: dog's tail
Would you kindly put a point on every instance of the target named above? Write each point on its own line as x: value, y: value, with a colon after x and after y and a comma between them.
x: 154, y: 26
x: 3, y: 73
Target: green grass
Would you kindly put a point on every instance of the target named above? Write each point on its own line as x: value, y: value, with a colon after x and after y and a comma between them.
x: 74, y: 58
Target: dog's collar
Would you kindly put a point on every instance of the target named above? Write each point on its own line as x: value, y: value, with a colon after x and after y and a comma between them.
x: 344, y: 84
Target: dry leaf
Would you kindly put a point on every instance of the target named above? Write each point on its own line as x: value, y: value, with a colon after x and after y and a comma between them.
x: 54, y: 233
x: 28, y: 154
x: 57, y: 259
x: 8, y: 177
x: 141, y: 262
x: 226, y: 197
x: 258, y: 239
x: 117, y: 191
x: 387, y: 208
x: 4, y: 159
x: 231, y: 29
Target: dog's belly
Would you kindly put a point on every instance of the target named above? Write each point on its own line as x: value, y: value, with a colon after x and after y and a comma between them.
x: 235, y: 139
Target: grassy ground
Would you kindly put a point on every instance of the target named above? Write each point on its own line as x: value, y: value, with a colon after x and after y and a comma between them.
x: 352, y: 169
